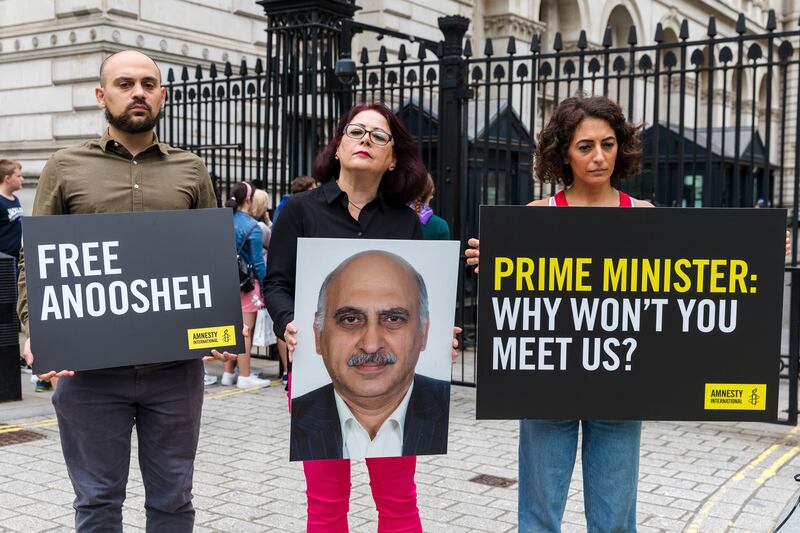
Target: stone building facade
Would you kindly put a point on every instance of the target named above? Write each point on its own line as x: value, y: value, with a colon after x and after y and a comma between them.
x: 51, y: 51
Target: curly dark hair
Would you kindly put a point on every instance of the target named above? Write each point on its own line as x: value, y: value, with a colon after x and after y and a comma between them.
x: 555, y: 138
x: 398, y: 186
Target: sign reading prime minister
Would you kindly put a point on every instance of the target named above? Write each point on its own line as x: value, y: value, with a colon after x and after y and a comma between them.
x: 370, y: 327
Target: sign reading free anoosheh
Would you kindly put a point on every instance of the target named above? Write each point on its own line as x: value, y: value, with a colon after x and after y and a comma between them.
x: 597, y: 313
x: 107, y: 290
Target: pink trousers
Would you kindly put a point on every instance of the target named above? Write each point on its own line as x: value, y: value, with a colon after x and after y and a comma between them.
x: 391, y: 480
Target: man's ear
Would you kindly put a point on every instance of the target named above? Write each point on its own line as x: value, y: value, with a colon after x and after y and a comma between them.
x: 317, y: 336
x: 424, y: 334
x: 163, y: 97
x: 100, y: 94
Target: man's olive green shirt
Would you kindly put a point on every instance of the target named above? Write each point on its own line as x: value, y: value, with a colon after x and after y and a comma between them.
x: 101, y: 176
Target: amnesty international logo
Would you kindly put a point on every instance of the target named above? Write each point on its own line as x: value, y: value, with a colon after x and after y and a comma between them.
x: 212, y: 337
x: 735, y: 396
x: 754, y: 397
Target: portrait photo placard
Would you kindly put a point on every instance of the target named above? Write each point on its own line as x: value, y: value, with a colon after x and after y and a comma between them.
x: 652, y: 314
x: 117, y: 289
x: 371, y: 373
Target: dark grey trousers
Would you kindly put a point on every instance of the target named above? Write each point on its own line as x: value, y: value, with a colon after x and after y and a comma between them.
x: 96, y: 412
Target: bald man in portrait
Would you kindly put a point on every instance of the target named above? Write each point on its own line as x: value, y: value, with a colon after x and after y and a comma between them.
x: 370, y: 327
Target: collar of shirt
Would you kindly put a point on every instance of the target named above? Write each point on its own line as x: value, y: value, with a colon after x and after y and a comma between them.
x: 388, y: 441
x: 332, y: 193
x: 107, y: 143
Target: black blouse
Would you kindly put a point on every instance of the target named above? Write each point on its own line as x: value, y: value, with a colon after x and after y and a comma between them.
x: 323, y: 213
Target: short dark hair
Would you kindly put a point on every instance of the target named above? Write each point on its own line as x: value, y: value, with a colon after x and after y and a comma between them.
x: 555, y: 138
x: 240, y: 193
x: 302, y: 183
x: 398, y: 186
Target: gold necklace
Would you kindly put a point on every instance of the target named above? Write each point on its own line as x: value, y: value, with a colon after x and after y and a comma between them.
x: 356, y: 206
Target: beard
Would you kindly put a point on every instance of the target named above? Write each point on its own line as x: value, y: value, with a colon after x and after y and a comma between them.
x: 127, y: 123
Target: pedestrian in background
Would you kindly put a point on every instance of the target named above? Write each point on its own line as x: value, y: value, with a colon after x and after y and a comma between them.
x: 434, y: 228
x: 259, y: 210
x: 299, y: 184
x: 248, y: 245
x: 11, y: 181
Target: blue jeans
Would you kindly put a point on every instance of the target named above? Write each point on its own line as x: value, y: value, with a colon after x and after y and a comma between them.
x: 610, y: 457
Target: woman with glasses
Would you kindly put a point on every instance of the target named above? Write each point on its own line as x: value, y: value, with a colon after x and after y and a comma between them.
x: 369, y: 171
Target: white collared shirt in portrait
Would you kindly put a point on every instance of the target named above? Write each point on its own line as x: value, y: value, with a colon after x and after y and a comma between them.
x: 388, y: 441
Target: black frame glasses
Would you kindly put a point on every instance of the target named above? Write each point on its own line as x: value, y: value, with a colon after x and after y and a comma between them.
x: 378, y: 141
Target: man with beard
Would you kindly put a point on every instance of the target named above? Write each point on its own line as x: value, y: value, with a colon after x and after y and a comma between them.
x: 370, y: 327
x: 126, y: 169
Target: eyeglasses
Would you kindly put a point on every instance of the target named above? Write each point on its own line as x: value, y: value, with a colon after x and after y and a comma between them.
x: 357, y: 131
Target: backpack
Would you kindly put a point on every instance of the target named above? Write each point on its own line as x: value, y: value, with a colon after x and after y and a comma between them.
x: 246, y: 276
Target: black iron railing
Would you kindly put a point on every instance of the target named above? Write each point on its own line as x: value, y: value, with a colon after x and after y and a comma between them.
x: 713, y: 109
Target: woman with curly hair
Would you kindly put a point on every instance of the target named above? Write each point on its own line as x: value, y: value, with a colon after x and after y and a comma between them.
x: 589, y: 147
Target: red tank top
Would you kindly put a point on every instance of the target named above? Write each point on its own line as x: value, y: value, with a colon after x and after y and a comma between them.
x: 561, y: 199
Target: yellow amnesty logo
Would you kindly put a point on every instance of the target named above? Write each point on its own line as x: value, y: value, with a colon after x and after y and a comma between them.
x: 211, y: 337
x: 736, y: 396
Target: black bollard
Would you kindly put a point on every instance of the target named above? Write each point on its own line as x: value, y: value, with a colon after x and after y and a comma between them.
x: 10, y: 388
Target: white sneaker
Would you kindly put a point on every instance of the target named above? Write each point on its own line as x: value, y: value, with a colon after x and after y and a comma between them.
x: 208, y: 379
x: 228, y: 379
x: 252, y: 381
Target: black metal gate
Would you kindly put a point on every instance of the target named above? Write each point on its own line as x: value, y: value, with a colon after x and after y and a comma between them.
x: 711, y: 137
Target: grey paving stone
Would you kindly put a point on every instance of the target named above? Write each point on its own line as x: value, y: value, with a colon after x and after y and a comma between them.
x: 662, y: 522
x: 27, y: 523
x: 481, y: 524
x: 243, y: 498
x: 47, y: 511
x: 475, y: 510
x: 229, y: 523
x: 714, y: 524
x: 753, y: 522
x: 429, y: 526
x: 724, y: 510
x: 660, y: 511
x: 669, y: 481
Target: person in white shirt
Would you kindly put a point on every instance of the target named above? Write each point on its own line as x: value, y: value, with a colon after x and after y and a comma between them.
x: 371, y: 325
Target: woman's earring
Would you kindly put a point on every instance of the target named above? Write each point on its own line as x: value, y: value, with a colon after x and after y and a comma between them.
x: 336, y: 156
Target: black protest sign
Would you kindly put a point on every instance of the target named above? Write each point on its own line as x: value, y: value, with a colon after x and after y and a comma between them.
x: 108, y: 290
x: 602, y: 313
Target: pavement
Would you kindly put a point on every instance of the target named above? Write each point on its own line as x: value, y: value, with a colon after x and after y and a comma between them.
x: 694, y: 476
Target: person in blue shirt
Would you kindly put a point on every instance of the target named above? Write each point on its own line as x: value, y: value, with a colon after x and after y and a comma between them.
x: 299, y: 184
x: 248, y: 239
x: 11, y: 181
